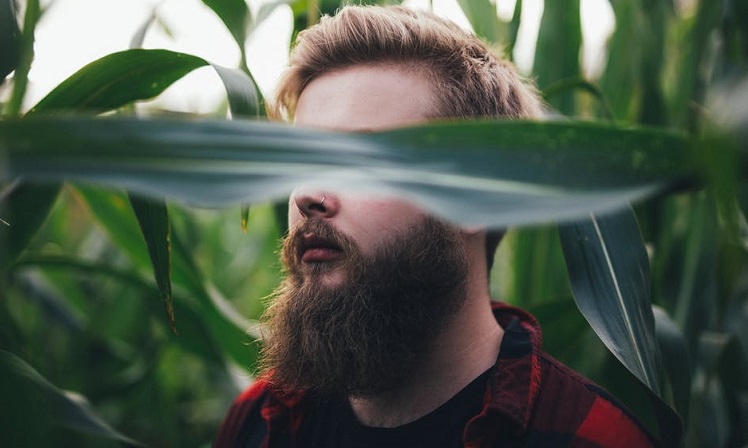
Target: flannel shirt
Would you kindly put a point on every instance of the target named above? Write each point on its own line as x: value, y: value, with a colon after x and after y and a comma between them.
x: 531, y: 400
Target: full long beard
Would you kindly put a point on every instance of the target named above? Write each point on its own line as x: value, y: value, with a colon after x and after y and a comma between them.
x: 364, y: 337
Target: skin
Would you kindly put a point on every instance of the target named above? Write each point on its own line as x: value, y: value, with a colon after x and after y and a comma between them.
x: 377, y: 97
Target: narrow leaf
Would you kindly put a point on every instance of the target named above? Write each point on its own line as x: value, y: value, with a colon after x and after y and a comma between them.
x: 244, y: 99
x: 118, y: 79
x: 153, y: 219
x: 121, y: 78
x: 557, y: 51
x: 506, y: 173
x: 609, y: 273
x: 235, y: 15
x: 514, y: 29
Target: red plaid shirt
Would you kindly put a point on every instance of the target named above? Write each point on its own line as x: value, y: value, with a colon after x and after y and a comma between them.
x: 531, y: 400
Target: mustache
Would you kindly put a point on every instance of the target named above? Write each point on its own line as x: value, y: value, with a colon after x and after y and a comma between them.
x: 313, y: 233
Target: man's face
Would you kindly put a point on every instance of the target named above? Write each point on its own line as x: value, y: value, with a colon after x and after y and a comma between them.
x: 358, y: 99
x: 370, y: 280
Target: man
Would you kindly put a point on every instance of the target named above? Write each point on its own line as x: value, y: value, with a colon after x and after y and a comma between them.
x: 383, y: 333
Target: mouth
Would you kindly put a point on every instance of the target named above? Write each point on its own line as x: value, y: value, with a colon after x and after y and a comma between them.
x: 314, y: 249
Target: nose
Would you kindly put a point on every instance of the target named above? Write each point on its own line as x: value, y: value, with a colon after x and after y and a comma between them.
x: 311, y: 204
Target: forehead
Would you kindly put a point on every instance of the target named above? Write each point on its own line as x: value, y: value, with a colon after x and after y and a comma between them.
x: 366, y: 98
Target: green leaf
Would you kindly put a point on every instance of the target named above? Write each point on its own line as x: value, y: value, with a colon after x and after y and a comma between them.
x: 557, y: 51
x: 513, y: 29
x: 536, y: 257
x: 693, y: 65
x: 10, y: 39
x: 622, y: 69
x: 507, y: 173
x: 225, y: 325
x: 23, y: 209
x: 196, y: 336
x: 483, y: 18
x: 236, y: 16
x: 153, y: 219
x: 118, y: 79
x: 23, y: 387
x: 578, y: 83
x: 244, y: 99
x: 121, y: 78
x: 21, y: 76
x: 609, y: 274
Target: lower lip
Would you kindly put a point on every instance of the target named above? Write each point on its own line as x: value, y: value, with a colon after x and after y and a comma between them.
x: 318, y: 255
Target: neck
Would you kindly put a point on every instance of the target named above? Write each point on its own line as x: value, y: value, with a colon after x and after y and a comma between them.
x: 466, y: 348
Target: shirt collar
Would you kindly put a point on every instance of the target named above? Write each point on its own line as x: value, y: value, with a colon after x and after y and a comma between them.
x: 514, y: 384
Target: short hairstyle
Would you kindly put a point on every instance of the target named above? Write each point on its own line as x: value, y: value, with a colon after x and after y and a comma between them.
x: 468, y: 80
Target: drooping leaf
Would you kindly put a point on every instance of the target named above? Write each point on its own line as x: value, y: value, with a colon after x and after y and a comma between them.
x: 23, y: 209
x: 121, y: 78
x: 153, y: 219
x: 235, y: 14
x: 244, y: 98
x: 10, y: 39
x: 609, y: 274
x: 507, y: 173
x: 23, y: 386
x: 222, y: 321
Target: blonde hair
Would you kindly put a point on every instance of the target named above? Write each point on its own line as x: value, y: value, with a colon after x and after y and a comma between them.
x: 467, y: 78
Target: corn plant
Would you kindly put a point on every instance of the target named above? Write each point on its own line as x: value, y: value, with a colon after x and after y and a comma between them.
x: 129, y: 309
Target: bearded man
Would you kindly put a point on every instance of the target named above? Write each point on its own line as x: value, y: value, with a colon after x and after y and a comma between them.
x: 383, y: 333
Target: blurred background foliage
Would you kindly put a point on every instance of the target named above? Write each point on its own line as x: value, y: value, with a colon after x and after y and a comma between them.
x: 80, y: 309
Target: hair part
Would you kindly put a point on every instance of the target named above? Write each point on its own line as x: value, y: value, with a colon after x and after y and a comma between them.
x: 467, y: 79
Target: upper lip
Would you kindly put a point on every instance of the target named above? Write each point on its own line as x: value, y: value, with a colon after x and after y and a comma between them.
x: 312, y: 241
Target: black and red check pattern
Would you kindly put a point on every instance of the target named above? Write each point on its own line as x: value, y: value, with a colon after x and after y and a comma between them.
x: 531, y: 400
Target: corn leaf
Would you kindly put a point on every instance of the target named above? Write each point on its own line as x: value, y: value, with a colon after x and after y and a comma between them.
x: 153, y: 219
x: 507, y: 173
x: 609, y: 274
x: 557, y: 51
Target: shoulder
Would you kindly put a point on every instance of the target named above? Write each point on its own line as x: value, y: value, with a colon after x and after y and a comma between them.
x: 261, y: 412
x: 244, y: 418
x: 569, y: 405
